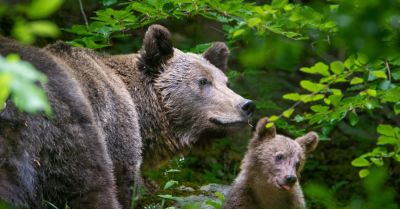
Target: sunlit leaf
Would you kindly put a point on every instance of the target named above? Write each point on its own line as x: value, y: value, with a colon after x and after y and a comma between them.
x: 43, y: 8
x: 379, y: 74
x: 288, y: 113
x: 386, y: 130
x: 292, y: 96
x: 311, y: 86
x: 360, y: 162
x: 337, y: 67
x: 363, y: 173
x: 382, y: 140
x: 254, y: 21
x: 5, y: 83
x: 356, y: 80
x: 269, y: 125
x: 371, y: 92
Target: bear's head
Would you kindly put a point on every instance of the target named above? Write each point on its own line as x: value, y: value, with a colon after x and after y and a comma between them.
x: 193, y: 88
x: 278, y: 158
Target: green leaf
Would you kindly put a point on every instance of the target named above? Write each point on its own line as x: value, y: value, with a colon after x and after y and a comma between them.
x: 362, y: 58
x: 336, y: 92
x: 319, y: 108
x: 396, y: 75
x: 238, y: 33
x: 377, y: 161
x: 292, y: 96
x: 5, y: 82
x: 213, y: 204
x: 356, y: 80
x: 253, y: 21
x: 391, y: 95
x: 363, y: 173
x: 386, y: 130
x: 170, y: 183
x: 312, y: 87
x: 288, y: 113
x: 360, y: 162
x: 279, y: 3
x: 337, y: 67
x: 269, y: 125
x: 382, y: 140
x: 379, y: 74
x: 44, y: 29
x: 319, y: 68
x: 335, y: 99
x: 353, y: 118
x: 371, y: 92
x: 349, y: 62
x: 43, y: 8
x: 25, y: 93
x: 220, y: 196
x: 168, y: 197
x: 273, y: 118
x: 396, y: 108
x: 318, y: 97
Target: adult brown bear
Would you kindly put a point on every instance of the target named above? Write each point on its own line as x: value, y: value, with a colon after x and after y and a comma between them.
x: 107, y: 109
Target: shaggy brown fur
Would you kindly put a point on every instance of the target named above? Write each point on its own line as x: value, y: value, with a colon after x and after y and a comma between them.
x: 269, y: 171
x: 105, y: 107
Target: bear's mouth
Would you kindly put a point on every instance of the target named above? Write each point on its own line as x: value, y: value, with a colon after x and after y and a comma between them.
x: 228, y: 122
x: 285, y: 187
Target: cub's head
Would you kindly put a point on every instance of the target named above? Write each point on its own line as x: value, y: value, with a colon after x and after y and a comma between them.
x: 193, y: 87
x: 278, y: 158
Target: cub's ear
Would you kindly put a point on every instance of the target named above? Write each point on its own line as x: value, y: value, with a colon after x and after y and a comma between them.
x: 308, y: 142
x: 217, y: 55
x: 157, y: 48
x: 263, y: 132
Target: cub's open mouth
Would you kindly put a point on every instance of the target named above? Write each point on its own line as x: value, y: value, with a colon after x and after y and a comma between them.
x: 227, y: 122
x: 285, y: 187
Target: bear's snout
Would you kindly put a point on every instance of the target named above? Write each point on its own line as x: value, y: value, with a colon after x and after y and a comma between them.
x: 290, y: 180
x: 248, y: 107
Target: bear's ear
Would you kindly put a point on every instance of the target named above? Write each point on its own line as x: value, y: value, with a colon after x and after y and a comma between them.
x: 263, y: 132
x: 217, y: 55
x: 157, y: 48
x: 308, y: 142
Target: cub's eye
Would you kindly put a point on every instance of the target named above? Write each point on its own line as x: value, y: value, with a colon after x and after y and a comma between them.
x: 204, y: 81
x: 279, y: 157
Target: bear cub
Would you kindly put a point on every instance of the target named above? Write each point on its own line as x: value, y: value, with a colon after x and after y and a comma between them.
x: 270, y: 170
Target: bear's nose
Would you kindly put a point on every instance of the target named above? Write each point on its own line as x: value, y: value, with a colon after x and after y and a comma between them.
x: 248, y: 107
x: 290, y: 179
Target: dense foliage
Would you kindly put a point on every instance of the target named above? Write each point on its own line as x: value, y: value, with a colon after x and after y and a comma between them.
x: 331, y: 66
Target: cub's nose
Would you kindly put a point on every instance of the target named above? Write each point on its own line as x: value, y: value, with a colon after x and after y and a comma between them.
x: 248, y: 107
x: 290, y: 179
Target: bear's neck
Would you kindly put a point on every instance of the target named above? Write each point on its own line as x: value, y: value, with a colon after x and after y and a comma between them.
x: 160, y: 138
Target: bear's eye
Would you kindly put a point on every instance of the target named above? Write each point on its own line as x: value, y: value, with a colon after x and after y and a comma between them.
x: 279, y: 157
x: 204, y: 81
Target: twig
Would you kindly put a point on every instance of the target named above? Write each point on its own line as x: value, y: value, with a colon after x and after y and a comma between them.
x: 388, y: 71
x: 83, y: 14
